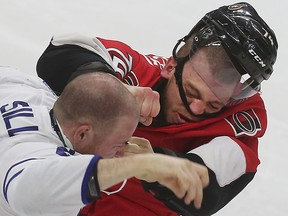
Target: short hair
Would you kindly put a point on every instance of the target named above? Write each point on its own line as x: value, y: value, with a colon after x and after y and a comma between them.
x: 217, y: 58
x: 215, y: 52
x: 96, y: 98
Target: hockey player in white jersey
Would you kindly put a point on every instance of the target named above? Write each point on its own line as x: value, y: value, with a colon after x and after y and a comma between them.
x: 42, y: 170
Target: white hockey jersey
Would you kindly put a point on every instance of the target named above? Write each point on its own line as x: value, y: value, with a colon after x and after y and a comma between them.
x: 39, y: 174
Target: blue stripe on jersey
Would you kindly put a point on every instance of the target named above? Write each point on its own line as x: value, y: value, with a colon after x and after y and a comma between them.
x: 13, y: 132
x: 92, y: 167
x: 8, y: 180
x: 6, y: 188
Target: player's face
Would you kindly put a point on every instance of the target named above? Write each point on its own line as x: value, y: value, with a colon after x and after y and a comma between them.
x: 113, y: 144
x: 202, y: 101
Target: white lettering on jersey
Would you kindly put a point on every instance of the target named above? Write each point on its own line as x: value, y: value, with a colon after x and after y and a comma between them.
x: 123, y: 66
x: 122, y: 63
x: 155, y: 61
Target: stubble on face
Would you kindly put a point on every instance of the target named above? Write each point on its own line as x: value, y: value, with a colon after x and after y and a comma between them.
x: 172, y: 107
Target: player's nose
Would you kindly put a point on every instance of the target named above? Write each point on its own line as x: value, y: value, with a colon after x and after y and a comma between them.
x: 197, y: 106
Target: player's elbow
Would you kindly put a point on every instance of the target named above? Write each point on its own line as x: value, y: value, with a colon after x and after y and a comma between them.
x: 26, y: 198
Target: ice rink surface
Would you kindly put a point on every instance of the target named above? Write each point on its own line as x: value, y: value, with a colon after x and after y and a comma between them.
x: 154, y: 26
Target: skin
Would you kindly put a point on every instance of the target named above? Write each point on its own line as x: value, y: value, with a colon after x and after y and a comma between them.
x: 106, y: 146
x: 202, y: 101
x: 185, y: 178
x: 148, y: 100
x: 199, y: 96
x: 137, y: 145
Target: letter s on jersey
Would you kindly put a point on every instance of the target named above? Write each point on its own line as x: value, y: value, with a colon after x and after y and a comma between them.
x: 246, y: 122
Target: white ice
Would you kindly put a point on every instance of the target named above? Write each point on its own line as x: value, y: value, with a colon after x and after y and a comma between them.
x: 154, y: 26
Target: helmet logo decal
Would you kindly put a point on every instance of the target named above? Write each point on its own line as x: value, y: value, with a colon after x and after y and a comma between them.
x: 257, y: 57
x: 268, y: 36
x: 237, y: 6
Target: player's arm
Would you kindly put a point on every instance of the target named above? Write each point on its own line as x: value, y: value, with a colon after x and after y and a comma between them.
x: 186, y: 179
x: 70, y: 55
x: 67, y: 183
x: 231, y: 166
x: 149, y: 102
x: 33, y: 185
x: 140, y: 73
x: 132, y: 67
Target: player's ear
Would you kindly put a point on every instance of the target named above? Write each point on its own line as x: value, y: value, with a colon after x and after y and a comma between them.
x: 82, y: 133
x: 169, y: 68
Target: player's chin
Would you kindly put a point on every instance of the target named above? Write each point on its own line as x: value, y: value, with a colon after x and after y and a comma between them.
x: 176, y: 118
x: 186, y: 118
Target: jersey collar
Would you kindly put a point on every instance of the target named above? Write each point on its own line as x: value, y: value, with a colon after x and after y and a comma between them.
x: 57, y: 128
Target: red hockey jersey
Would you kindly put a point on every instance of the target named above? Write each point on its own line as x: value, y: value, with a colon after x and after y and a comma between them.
x: 227, y: 143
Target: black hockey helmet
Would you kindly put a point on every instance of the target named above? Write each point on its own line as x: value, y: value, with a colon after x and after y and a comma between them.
x: 245, y: 36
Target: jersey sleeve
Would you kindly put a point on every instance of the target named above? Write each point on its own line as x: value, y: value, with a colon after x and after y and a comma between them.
x: 132, y: 67
x: 57, y: 185
x: 228, y: 168
x: 226, y: 164
x: 65, y: 54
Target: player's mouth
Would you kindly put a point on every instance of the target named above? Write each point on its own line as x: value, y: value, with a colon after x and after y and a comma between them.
x: 194, y: 118
x: 183, y: 119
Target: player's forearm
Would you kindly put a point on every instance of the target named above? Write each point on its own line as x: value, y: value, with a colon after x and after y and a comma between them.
x: 185, y: 178
x: 115, y: 170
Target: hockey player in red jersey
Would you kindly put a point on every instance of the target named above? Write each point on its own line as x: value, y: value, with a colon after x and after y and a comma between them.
x: 211, y: 109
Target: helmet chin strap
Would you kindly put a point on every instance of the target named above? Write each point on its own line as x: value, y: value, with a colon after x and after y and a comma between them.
x: 182, y: 60
x: 178, y: 77
x: 178, y: 73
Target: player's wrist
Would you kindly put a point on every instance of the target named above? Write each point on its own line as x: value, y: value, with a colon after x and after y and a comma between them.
x: 93, y: 191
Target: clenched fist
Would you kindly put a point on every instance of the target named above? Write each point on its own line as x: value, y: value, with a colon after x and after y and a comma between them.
x: 148, y: 101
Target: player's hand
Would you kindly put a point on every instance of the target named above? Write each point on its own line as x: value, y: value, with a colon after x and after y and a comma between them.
x: 185, y: 178
x: 148, y: 101
x: 137, y: 145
